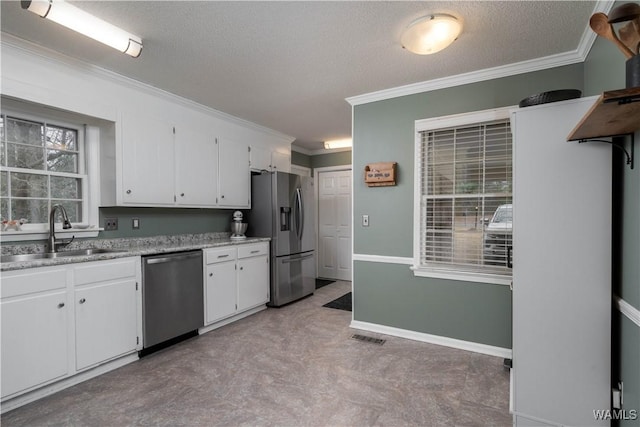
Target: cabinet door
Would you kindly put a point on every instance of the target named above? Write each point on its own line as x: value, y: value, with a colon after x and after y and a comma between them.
x: 105, y: 322
x: 253, y: 282
x: 34, y: 341
x: 147, y: 161
x: 281, y: 162
x: 561, y: 267
x: 260, y: 158
x: 220, y: 290
x: 234, y: 176
x: 196, y: 156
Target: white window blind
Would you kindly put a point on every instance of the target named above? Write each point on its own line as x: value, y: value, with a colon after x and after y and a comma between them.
x: 465, y: 197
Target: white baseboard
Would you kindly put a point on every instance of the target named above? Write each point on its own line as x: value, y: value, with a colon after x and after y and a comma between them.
x: 433, y: 339
x: 55, y: 387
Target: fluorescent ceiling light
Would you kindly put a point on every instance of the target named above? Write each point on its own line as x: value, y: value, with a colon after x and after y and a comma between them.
x: 338, y: 143
x: 430, y: 34
x: 84, y: 23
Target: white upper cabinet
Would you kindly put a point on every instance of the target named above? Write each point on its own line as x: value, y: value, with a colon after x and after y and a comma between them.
x: 196, y: 156
x: 269, y: 160
x: 234, y: 175
x: 147, y: 164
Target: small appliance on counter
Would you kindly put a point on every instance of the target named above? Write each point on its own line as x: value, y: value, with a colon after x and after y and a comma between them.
x: 238, y: 227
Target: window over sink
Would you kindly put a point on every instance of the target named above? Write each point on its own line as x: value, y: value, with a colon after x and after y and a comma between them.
x: 44, y: 161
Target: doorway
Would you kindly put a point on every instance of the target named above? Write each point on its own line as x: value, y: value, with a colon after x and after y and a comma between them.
x: 334, y: 222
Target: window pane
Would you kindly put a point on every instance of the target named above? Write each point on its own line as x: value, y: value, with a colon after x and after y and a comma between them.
x: 2, y: 128
x: 24, y: 156
x: 34, y: 210
x: 3, y: 155
x: 62, y: 161
x: 4, y: 185
x: 4, y: 208
x: 58, y: 138
x: 498, y: 233
x: 74, y: 210
x: 29, y: 185
x: 24, y: 132
x: 65, y: 188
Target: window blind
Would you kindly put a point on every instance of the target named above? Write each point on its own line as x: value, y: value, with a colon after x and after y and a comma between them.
x: 465, y: 197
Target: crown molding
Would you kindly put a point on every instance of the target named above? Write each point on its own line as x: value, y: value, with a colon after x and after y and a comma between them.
x: 26, y: 47
x: 558, y: 60
x: 301, y: 150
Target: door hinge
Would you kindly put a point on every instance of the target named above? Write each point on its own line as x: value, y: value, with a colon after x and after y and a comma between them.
x: 216, y: 140
x: 216, y: 200
x: 137, y: 340
x: 249, y: 149
x: 174, y: 130
x: 174, y: 198
x: 136, y: 286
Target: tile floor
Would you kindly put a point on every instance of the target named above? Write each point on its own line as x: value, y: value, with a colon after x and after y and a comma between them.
x: 293, y: 366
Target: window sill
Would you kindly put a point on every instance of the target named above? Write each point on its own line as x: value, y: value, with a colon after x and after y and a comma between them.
x: 23, y: 236
x: 464, y: 276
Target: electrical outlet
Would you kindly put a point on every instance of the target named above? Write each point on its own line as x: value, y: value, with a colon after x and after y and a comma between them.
x: 110, y: 224
x: 365, y: 220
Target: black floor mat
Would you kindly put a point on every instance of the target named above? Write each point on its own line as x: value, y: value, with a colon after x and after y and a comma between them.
x: 342, y: 303
x: 323, y: 282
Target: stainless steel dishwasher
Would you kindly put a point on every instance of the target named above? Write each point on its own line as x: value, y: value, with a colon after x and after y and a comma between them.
x: 172, y: 294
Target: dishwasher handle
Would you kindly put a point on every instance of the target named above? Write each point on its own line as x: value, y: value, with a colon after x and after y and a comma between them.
x: 172, y: 257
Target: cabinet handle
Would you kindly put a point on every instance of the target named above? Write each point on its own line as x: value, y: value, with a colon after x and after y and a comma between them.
x: 241, y: 268
x: 82, y: 300
x: 61, y: 305
x: 223, y: 196
x: 223, y: 256
x: 210, y: 274
x: 181, y: 194
x: 255, y: 252
x: 128, y: 191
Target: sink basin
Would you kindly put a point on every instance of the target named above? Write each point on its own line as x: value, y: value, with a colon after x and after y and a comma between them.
x: 61, y: 254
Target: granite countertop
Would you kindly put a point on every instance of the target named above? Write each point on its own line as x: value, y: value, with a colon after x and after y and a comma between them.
x: 125, y: 247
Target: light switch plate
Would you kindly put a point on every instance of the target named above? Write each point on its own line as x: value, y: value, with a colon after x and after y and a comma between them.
x: 135, y: 223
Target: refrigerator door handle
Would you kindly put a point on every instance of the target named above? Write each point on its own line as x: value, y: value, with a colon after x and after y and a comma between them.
x: 299, y: 214
x: 296, y: 259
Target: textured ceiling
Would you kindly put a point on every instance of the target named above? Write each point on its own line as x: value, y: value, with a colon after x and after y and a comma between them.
x: 290, y: 65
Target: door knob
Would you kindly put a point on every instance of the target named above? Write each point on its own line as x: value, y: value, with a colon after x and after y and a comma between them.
x: 128, y: 191
x: 61, y: 305
x: 82, y: 300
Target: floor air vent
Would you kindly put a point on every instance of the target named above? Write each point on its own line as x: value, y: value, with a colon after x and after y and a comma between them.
x: 368, y: 339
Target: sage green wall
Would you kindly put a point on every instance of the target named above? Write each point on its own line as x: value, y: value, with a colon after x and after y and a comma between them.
x: 605, y: 70
x: 339, y: 158
x: 165, y: 221
x: 300, y: 159
x: 389, y: 294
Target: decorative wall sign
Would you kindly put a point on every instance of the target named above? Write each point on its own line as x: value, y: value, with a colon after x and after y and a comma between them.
x: 380, y: 174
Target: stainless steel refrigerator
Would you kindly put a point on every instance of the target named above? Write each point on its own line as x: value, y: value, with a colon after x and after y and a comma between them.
x: 283, y: 208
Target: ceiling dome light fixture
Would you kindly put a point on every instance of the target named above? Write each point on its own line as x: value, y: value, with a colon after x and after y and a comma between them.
x: 84, y: 23
x: 431, y: 34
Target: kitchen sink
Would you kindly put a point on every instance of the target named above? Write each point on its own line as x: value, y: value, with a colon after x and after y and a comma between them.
x: 61, y: 254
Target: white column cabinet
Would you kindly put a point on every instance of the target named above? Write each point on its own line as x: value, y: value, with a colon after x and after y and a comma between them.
x: 234, y: 174
x: 147, y: 164
x: 236, y: 280
x: 35, y: 315
x: 561, y: 269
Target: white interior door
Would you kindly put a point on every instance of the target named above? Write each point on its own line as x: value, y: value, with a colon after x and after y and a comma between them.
x: 334, y: 224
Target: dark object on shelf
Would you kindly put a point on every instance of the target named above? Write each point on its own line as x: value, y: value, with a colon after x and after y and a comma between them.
x: 551, y: 96
x: 633, y: 72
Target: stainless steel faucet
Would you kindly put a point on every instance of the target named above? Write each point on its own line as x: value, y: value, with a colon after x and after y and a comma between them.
x: 65, y: 225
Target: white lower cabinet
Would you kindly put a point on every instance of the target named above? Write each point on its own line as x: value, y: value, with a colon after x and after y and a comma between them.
x: 236, y: 280
x: 59, y: 321
x: 105, y: 312
x: 35, y: 316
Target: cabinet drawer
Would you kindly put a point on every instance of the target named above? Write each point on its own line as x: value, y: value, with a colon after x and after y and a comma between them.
x: 102, y: 271
x: 220, y: 255
x: 33, y: 280
x: 246, y: 251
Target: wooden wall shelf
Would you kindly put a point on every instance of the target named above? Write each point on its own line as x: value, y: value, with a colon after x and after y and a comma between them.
x: 616, y: 112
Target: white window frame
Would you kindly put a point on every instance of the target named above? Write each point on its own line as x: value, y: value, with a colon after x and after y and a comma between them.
x: 457, y: 120
x: 88, y: 169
